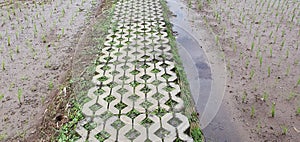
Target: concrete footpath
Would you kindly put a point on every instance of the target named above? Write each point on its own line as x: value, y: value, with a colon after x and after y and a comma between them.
x: 136, y: 95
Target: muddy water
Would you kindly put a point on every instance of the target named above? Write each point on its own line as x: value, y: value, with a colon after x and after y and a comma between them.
x: 200, y: 67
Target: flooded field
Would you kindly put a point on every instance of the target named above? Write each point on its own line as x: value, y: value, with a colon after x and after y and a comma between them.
x: 260, y: 45
x: 37, y: 42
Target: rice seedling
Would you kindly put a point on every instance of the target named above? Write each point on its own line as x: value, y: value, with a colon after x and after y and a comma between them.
x: 271, y: 51
x: 11, y: 86
x: 277, y: 27
x: 243, y: 19
x: 62, y: 31
x: 50, y: 85
x: 282, y: 33
x: 44, y: 20
x: 217, y: 39
x: 35, y: 30
x: 35, y: 4
x: 244, y: 97
x: 25, y: 18
x: 292, y: 20
x: 247, y: 63
x: 265, y: 96
x: 241, y: 55
x: 223, y: 29
x: 190, y: 3
x: 22, y: 29
x: 1, y: 96
x: 273, y: 3
x: 275, y: 39
x: 282, y: 44
x: 298, y: 83
x: 288, y: 70
x: 17, y: 34
x: 3, y: 136
x: 271, y: 33
x: 252, y: 73
x: 284, y: 130
x: 48, y: 52
x: 17, y: 49
x: 273, y: 109
x: 82, y: 2
x: 298, y: 111
x: 8, y: 15
x: 260, y: 60
x: 231, y: 73
x: 43, y: 100
x: 252, y: 45
x: 63, y: 12
x: 290, y: 27
x: 291, y: 96
x: 19, y: 95
x: 199, y: 5
x: 47, y: 65
x: 269, y: 71
x: 280, y: 61
x: 72, y: 19
x: 234, y: 47
x: 287, y: 53
x: 252, y: 111
x: 259, y: 39
x: 296, y: 62
x: 8, y: 41
x: 34, y: 55
x: 23, y: 78
x: 44, y: 38
x: 258, y: 126
x: 3, y: 66
x: 269, y: 3
x: 10, y: 52
x: 238, y: 32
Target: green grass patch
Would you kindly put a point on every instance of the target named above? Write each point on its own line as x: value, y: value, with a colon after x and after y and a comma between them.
x: 67, y: 132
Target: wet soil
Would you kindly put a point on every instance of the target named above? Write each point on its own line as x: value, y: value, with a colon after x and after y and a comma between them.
x: 260, y: 42
x: 38, y: 40
x: 203, y: 67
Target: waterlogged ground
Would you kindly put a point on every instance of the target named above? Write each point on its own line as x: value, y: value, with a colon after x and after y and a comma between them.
x: 260, y: 40
x: 37, y: 41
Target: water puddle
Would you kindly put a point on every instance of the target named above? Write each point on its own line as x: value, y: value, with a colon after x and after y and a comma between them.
x: 196, y: 67
x: 206, y: 75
